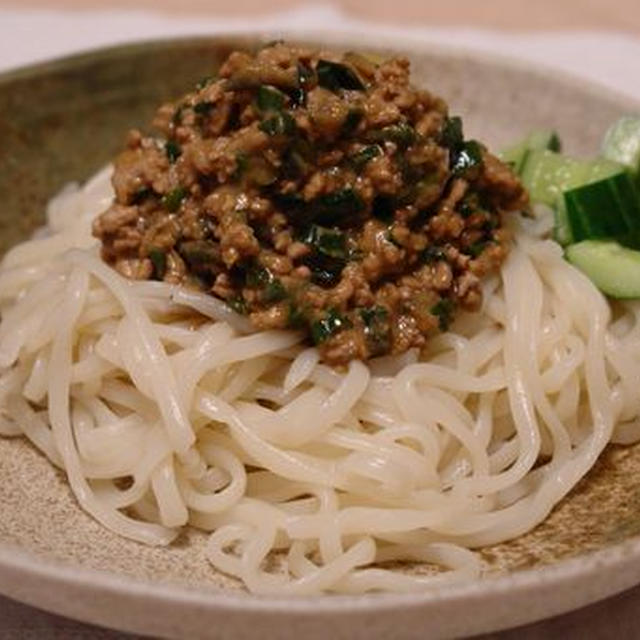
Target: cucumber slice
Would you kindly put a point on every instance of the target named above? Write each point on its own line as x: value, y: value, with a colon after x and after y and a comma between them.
x: 614, y: 269
x: 605, y: 208
x: 543, y: 139
x: 622, y: 143
x: 546, y: 174
x: 561, y: 228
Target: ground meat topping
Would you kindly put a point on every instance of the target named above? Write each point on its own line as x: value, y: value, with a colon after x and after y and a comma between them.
x: 318, y: 192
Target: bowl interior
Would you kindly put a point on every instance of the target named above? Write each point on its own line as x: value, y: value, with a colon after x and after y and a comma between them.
x: 59, y: 122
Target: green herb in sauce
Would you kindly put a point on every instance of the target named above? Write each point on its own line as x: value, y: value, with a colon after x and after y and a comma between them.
x: 159, y: 260
x: 443, y: 310
x: 176, y: 119
x: 335, y: 76
x: 172, y: 200
x: 328, y: 241
x: 433, y: 253
x: 238, y: 304
x: 377, y: 329
x: 336, y: 208
x: 383, y: 208
x: 451, y: 134
x: 469, y: 156
x: 274, y: 291
x: 173, y: 150
x: 332, y: 323
x: 269, y: 99
x: 203, y: 108
x: 200, y: 255
x: 359, y: 159
x: 351, y: 122
x: 402, y: 134
x: 278, y: 124
x: 141, y: 195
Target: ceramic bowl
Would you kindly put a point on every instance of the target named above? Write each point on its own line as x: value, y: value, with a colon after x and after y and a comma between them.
x: 61, y: 121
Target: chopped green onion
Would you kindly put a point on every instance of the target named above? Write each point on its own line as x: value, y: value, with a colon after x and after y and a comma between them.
x: 305, y: 75
x: 292, y: 203
x: 443, y: 310
x: 258, y: 277
x: 478, y: 247
x: 337, y: 208
x: 269, y: 98
x: 359, y: 159
x: 451, y: 134
x: 141, y: 195
x: 159, y: 260
x: 383, y: 208
x: 242, y: 163
x: 274, y: 291
x: 172, y: 200
x: 469, y: 157
x: 331, y: 243
x: 376, y: 329
x: 335, y: 76
x: 388, y: 236
x: 325, y: 270
x: 296, y: 319
x: 331, y: 324
x: 293, y: 164
x: 173, y: 150
x: 351, y: 122
x: 238, y: 304
x: 432, y: 253
x: 176, y: 119
x: 200, y: 255
x: 372, y: 314
x: 203, y: 108
x: 278, y: 124
x: 298, y: 97
x: 470, y: 204
x: 402, y: 134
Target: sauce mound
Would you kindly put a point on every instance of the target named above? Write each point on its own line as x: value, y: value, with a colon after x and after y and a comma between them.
x: 314, y: 191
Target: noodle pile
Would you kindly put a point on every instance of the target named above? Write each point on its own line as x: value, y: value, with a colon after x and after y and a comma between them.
x: 164, y: 410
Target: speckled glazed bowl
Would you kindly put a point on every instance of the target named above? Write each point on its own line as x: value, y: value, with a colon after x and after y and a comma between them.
x: 59, y: 122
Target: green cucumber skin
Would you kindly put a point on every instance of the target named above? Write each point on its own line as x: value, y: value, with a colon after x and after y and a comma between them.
x: 607, y: 208
x: 614, y: 269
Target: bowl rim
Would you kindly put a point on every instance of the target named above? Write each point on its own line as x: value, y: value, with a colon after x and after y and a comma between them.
x: 613, y: 563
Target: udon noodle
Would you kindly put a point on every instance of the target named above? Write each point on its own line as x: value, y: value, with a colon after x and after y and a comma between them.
x: 164, y: 410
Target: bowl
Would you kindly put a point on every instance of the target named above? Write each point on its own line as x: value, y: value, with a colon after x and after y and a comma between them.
x: 61, y: 121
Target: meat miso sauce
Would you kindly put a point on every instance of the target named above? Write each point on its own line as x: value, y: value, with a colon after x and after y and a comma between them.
x: 318, y: 192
